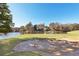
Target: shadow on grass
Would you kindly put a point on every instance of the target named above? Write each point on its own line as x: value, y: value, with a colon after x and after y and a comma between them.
x: 7, y: 45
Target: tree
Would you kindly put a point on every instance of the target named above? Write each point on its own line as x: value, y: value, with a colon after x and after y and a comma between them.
x: 66, y: 28
x: 5, y: 19
x: 29, y: 28
x: 35, y: 27
x: 55, y: 27
x: 22, y: 29
x: 46, y: 28
x: 59, y: 28
x: 40, y: 28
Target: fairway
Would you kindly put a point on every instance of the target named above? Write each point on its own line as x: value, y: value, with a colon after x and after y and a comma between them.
x: 73, y: 35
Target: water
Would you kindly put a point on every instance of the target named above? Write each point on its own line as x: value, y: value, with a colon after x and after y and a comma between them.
x: 9, y: 35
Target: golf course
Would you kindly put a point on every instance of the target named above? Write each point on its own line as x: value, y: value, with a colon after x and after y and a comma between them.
x: 39, y: 29
x: 73, y: 35
x: 7, y: 45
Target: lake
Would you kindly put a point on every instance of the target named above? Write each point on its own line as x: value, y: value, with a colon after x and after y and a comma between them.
x: 9, y: 35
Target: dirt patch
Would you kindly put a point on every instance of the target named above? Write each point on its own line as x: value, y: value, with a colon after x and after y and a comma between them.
x: 49, y: 47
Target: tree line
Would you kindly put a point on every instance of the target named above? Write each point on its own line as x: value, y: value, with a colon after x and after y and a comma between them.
x: 51, y: 28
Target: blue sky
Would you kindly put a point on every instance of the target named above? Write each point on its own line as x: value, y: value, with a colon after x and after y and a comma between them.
x: 44, y: 13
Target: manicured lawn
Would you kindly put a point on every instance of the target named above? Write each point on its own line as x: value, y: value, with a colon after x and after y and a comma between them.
x: 73, y: 35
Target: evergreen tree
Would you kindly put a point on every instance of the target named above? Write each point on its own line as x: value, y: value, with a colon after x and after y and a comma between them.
x: 5, y: 19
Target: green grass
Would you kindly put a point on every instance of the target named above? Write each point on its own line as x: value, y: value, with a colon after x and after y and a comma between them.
x: 28, y: 53
x: 74, y: 35
x: 7, y: 45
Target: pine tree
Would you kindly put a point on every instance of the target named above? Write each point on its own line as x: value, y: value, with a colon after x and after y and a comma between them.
x: 5, y: 18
